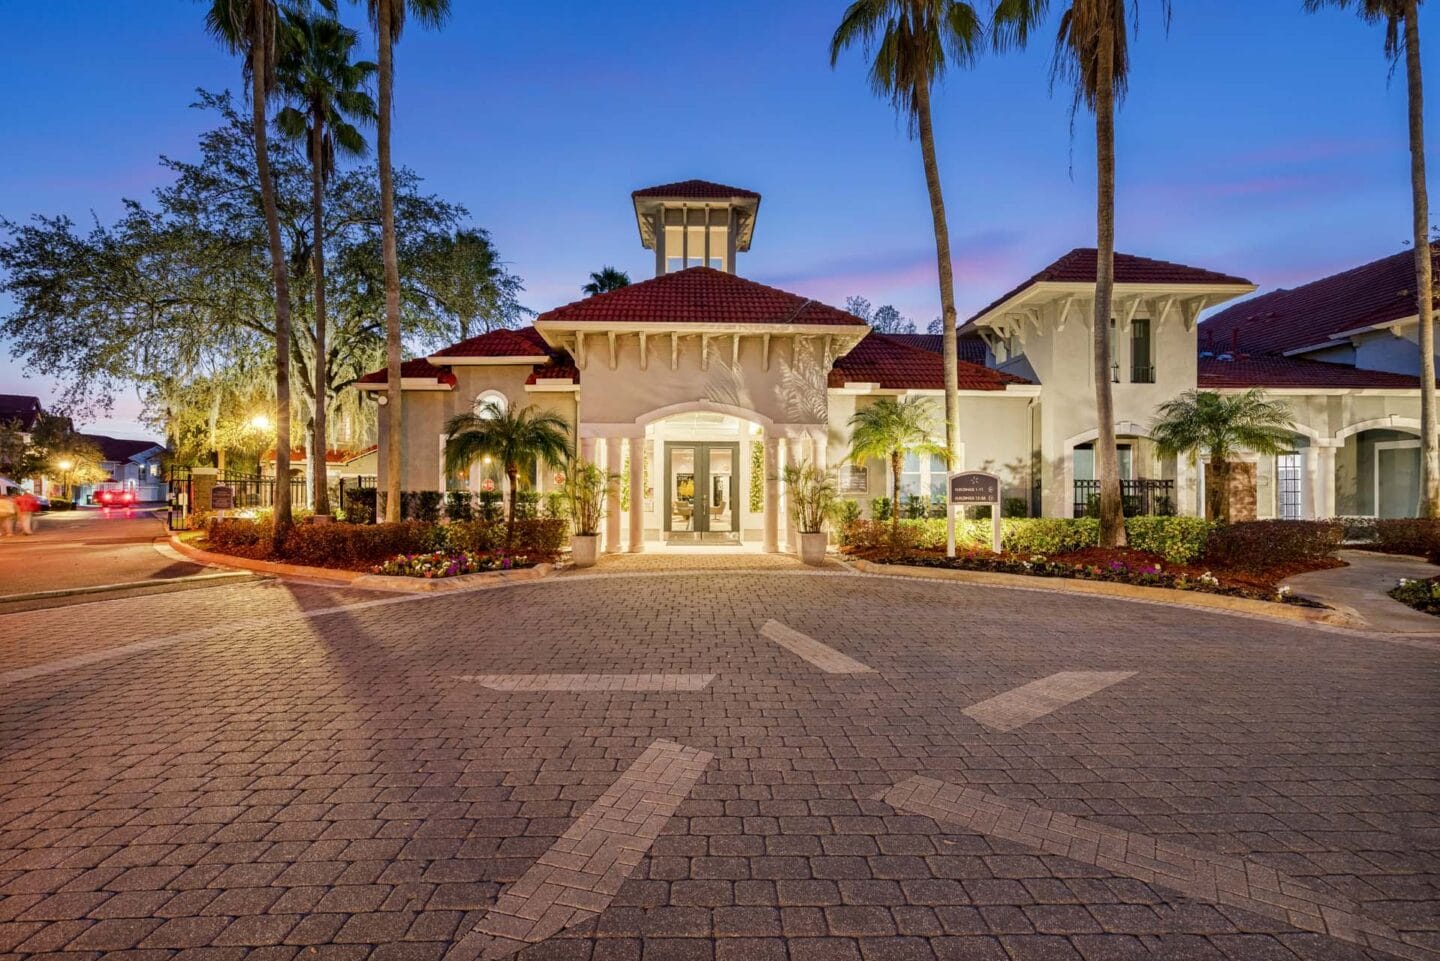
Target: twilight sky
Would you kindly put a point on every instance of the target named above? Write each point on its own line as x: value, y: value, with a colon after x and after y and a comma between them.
x: 1266, y: 143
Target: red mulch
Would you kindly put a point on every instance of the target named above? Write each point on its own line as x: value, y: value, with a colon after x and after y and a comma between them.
x: 1267, y: 579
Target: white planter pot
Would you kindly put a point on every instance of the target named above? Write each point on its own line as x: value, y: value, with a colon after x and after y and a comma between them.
x: 812, y: 548
x: 583, y: 548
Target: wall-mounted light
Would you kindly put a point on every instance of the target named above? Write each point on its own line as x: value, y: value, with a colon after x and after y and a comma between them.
x: 1115, y: 372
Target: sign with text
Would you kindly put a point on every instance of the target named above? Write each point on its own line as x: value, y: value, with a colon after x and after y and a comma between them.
x: 974, y: 487
x: 222, y: 498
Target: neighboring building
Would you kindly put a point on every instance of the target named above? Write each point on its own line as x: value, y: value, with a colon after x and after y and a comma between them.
x: 698, y: 385
x: 1343, y: 352
x: 133, y: 463
x: 20, y: 409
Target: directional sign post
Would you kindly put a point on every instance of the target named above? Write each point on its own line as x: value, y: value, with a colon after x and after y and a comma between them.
x: 972, y: 487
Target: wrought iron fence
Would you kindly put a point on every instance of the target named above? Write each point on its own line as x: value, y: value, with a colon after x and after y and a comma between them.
x: 1138, y: 497
x: 250, y: 492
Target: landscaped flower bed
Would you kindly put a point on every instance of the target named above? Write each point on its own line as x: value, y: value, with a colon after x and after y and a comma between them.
x: 1257, y: 556
x: 1420, y: 593
x: 361, y: 547
x: 450, y: 564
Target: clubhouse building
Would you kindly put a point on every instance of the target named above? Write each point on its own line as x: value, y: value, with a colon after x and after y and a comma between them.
x: 697, y: 386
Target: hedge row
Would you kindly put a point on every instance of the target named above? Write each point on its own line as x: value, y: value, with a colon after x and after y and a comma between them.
x: 359, y: 546
x: 1177, y: 539
x: 1256, y: 545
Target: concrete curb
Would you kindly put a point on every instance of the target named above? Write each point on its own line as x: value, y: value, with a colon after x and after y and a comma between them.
x: 361, y: 580
x: 1132, y: 592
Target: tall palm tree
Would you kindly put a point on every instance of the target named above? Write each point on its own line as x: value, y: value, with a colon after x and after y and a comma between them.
x: 1092, y: 54
x: 248, y: 28
x: 327, y: 97
x: 388, y: 17
x: 516, y: 439
x: 1402, y: 36
x: 1221, y: 426
x: 888, y: 429
x: 911, y: 42
x: 605, y: 280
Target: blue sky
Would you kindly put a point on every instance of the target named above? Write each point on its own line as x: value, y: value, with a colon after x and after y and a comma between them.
x: 1268, y: 143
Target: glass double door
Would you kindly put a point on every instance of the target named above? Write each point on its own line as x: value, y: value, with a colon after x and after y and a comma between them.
x: 701, y: 491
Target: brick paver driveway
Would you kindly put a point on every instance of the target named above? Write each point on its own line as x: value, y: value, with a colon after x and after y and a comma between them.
x: 284, y: 771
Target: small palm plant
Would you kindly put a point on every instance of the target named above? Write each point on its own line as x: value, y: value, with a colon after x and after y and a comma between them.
x: 586, y: 488
x: 605, y: 280
x: 889, y: 429
x: 1221, y: 426
x: 516, y: 438
x: 812, y: 494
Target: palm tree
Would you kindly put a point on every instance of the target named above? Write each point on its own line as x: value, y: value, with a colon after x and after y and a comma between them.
x: 327, y: 96
x: 1092, y: 53
x: 517, y: 439
x: 888, y: 429
x: 248, y: 28
x: 911, y: 41
x: 1221, y: 426
x: 605, y: 280
x: 388, y: 18
x: 1402, y: 35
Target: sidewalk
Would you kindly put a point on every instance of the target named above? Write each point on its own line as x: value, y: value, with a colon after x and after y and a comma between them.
x: 1362, y: 589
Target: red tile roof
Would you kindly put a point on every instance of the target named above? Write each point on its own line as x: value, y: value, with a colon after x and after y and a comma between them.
x: 1273, y: 370
x: 1078, y: 267
x: 417, y: 368
x: 699, y: 295
x: 1282, y: 320
x: 558, y: 371
x: 968, y: 347
x: 334, y: 456
x: 523, y: 342
x: 695, y: 190
x: 894, y: 365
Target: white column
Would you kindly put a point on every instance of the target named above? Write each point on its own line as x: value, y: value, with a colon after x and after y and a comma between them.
x: 612, y: 499
x: 1309, y: 482
x: 772, y: 494
x: 794, y: 454
x: 745, y: 466
x: 1325, y: 489
x: 818, y: 445
x: 637, y: 495
x: 1187, y: 488
x: 587, y: 449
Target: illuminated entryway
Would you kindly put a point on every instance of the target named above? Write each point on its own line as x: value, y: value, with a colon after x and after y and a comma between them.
x: 709, y: 482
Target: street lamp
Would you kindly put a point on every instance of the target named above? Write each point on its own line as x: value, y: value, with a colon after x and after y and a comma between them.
x: 260, y: 422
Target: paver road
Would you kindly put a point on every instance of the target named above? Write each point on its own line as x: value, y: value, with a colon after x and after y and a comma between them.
x: 87, y: 548
x: 317, y: 778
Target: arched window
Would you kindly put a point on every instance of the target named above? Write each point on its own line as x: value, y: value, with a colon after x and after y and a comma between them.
x: 491, y: 397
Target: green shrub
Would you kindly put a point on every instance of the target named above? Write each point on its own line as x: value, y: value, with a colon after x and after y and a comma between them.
x: 1015, y: 507
x: 459, y: 506
x: 61, y: 504
x: 1358, y: 529
x: 880, y: 508
x: 1262, y: 545
x: 421, y: 506
x: 1409, y: 535
x: 555, y: 507
x: 1179, y: 540
x: 541, y: 538
x: 527, y: 505
x: 490, y: 502
x: 846, y: 512
x: 360, y: 505
x: 243, y: 538
x: 1048, y: 535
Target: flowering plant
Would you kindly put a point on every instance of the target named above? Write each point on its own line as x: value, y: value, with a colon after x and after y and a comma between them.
x: 449, y: 564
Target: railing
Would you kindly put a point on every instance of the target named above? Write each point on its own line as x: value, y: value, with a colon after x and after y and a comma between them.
x: 1138, y: 497
x: 1142, y: 375
x: 250, y: 492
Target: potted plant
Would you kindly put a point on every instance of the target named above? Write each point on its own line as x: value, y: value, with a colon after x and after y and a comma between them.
x: 812, y: 495
x: 586, y: 487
